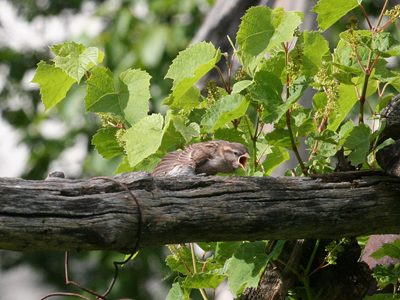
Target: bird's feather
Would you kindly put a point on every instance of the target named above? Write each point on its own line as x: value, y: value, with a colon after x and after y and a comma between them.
x: 208, y: 157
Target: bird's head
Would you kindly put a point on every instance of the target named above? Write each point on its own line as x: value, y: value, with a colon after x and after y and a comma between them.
x: 237, y: 154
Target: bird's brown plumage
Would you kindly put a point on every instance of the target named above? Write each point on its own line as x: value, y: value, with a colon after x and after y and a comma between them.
x: 209, y: 158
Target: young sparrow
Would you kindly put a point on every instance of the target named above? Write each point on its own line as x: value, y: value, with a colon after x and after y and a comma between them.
x: 209, y: 158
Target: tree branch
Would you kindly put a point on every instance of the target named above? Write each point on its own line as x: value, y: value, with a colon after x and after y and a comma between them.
x: 78, y: 215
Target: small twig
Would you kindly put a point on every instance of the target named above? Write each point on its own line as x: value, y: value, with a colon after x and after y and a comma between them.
x: 64, y: 294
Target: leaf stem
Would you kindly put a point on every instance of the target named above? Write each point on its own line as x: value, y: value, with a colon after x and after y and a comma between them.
x: 228, y: 89
x: 362, y: 98
x: 202, y: 292
x: 248, y: 126
x: 312, y: 257
x: 375, y: 29
x: 193, y: 257
x: 366, y: 16
x: 294, y: 145
x: 230, y: 69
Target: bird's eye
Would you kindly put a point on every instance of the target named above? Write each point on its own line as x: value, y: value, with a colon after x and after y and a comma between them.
x: 236, y: 153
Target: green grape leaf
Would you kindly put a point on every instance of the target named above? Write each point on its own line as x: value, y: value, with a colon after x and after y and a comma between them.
x: 348, y: 97
x: 144, y: 138
x: 226, y: 109
x: 382, y: 74
x: 245, y: 267
x: 53, y: 82
x: 343, y: 77
x: 345, y: 59
x: 75, y: 60
x: 324, y: 149
x: 382, y: 43
x: 276, y: 252
x: 315, y: 46
x: 203, y: 280
x: 174, y: 261
x: 331, y: 11
x: 130, y: 104
x: 267, y: 90
x: 106, y: 143
x: 230, y: 134
x: 189, y: 66
x: 279, y: 137
x: 241, y: 85
x: 177, y: 293
x: 168, y: 143
x: 390, y: 249
x: 149, y: 163
x: 188, y: 132
x: 298, y: 89
x: 358, y: 141
x: 276, y: 63
x: 345, y: 130
x: 223, y: 252
x: 319, y: 101
x: 188, y: 100
x: 207, y: 246
x: 275, y: 158
x: 261, y: 30
x: 383, y: 102
x: 302, y: 121
x: 327, y: 136
x: 381, y: 297
x: 124, y: 166
x: 385, y: 276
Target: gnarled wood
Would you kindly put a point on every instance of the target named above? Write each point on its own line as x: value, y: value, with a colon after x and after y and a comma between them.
x: 74, y: 215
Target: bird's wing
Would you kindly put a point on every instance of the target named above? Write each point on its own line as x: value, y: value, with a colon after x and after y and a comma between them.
x: 167, y: 163
x: 183, y: 162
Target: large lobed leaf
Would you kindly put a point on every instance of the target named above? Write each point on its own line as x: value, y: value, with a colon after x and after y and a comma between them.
x: 189, y: 66
x: 225, y: 110
x: 331, y: 11
x: 72, y: 61
x: 129, y: 104
x: 261, y: 30
x: 75, y: 60
x: 145, y: 137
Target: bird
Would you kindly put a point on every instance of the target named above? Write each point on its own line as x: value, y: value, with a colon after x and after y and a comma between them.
x: 209, y: 158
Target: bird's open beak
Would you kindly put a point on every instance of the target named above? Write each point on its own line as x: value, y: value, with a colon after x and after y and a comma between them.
x: 243, y: 161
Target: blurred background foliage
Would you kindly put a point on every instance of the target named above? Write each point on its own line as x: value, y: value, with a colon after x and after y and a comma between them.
x: 144, y: 34
x: 134, y: 34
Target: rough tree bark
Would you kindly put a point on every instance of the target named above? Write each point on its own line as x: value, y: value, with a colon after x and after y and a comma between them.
x: 77, y: 215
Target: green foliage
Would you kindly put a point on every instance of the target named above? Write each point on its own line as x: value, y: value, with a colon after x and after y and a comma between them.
x: 241, y: 262
x: 384, y: 274
x: 72, y: 61
x: 261, y: 30
x: 266, y: 93
x: 329, y: 12
x: 381, y: 297
x: 390, y: 249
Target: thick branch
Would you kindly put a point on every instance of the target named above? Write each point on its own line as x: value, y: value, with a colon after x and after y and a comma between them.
x: 76, y: 215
